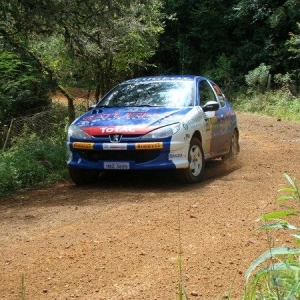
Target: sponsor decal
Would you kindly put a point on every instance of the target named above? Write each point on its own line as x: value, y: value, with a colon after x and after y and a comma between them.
x: 217, y: 90
x: 129, y: 115
x: 185, y: 126
x: 114, y: 146
x: 143, y: 146
x: 140, y: 115
x: 117, y: 130
x: 175, y: 155
x: 81, y: 145
x: 208, y: 124
x: 194, y: 120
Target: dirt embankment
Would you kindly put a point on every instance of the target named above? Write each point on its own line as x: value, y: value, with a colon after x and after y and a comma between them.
x: 120, y: 238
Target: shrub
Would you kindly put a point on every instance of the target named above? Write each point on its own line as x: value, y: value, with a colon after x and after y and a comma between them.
x: 32, y: 160
x: 257, y: 79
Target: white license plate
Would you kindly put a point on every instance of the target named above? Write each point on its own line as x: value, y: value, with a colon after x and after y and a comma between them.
x: 116, y: 165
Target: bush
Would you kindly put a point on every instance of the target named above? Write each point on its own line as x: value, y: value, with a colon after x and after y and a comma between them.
x: 257, y: 79
x: 32, y: 160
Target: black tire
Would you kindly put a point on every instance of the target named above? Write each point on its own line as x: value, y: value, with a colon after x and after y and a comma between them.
x: 83, y: 176
x: 193, y: 173
x: 234, y: 147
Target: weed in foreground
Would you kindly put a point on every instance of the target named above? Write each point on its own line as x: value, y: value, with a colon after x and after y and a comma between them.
x: 279, y: 273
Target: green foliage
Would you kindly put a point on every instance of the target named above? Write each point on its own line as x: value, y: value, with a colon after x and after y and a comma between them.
x: 294, y: 43
x: 32, y: 160
x: 222, y: 72
x: 91, y: 42
x: 22, y: 86
x: 278, y: 276
x: 283, y: 81
x: 246, y: 32
x: 279, y: 104
x: 257, y: 79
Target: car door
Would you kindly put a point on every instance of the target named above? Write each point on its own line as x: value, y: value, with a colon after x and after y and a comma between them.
x: 223, y: 130
x: 214, y: 118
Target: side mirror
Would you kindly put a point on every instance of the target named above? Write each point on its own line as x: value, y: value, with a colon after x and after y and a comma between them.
x: 211, y: 106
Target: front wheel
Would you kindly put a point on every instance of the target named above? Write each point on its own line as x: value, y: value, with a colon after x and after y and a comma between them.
x: 83, y: 176
x: 194, y: 171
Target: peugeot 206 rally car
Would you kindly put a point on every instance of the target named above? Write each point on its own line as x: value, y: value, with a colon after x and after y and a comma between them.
x: 162, y: 122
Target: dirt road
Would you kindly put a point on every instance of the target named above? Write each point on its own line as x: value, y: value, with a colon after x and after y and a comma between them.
x: 119, y: 238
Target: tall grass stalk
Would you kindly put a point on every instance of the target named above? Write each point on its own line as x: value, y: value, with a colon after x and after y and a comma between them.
x: 22, y: 288
x: 182, y: 293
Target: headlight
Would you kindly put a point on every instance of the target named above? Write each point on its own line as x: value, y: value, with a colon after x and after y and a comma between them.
x: 75, y: 132
x: 163, y: 132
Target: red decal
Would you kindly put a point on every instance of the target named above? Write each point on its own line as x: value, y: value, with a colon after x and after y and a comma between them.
x: 125, y: 130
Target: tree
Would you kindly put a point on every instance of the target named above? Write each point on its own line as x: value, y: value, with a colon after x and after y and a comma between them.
x: 22, y: 86
x: 263, y: 28
x: 197, y: 37
x: 108, y: 40
x: 227, y: 39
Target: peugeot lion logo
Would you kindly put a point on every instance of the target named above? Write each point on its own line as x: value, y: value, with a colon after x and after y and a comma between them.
x: 115, y: 138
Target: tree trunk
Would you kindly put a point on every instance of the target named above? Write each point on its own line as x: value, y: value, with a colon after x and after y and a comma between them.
x: 71, y: 108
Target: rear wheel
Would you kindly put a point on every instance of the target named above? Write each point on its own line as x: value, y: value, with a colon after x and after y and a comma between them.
x: 83, y: 176
x: 194, y: 171
x: 234, y: 147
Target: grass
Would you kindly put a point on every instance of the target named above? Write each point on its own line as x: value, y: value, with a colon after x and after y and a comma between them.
x: 181, y: 291
x: 22, y: 288
x: 279, y: 104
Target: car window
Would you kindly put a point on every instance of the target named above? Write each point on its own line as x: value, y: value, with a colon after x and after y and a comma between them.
x: 206, y: 93
x: 154, y: 93
x: 219, y: 93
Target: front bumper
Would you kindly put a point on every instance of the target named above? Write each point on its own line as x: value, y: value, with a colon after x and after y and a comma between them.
x: 133, y: 156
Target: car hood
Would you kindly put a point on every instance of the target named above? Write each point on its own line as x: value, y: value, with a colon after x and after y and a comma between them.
x: 128, y: 120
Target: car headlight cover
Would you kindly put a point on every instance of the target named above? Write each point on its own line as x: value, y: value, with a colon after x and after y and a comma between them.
x: 75, y: 132
x: 163, y: 132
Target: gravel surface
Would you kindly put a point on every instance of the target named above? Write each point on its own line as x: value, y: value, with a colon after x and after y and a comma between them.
x: 120, y: 238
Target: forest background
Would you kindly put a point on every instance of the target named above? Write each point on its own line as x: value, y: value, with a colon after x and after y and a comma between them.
x: 94, y: 44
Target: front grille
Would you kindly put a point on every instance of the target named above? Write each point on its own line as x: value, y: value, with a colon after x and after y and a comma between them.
x: 140, y: 156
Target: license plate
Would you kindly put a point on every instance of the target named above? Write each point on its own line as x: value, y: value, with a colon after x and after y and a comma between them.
x: 116, y: 165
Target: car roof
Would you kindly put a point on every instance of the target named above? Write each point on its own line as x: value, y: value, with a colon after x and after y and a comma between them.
x: 164, y: 78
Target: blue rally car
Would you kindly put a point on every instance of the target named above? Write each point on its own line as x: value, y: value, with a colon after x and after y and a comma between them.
x: 161, y: 122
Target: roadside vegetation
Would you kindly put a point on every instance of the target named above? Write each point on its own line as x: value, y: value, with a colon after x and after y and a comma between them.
x: 34, y: 158
x: 282, y: 103
x: 278, y: 104
x: 275, y: 273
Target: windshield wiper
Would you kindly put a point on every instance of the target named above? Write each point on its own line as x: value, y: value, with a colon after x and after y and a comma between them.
x: 103, y: 106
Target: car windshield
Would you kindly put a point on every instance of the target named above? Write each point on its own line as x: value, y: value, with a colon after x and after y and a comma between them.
x: 155, y: 93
